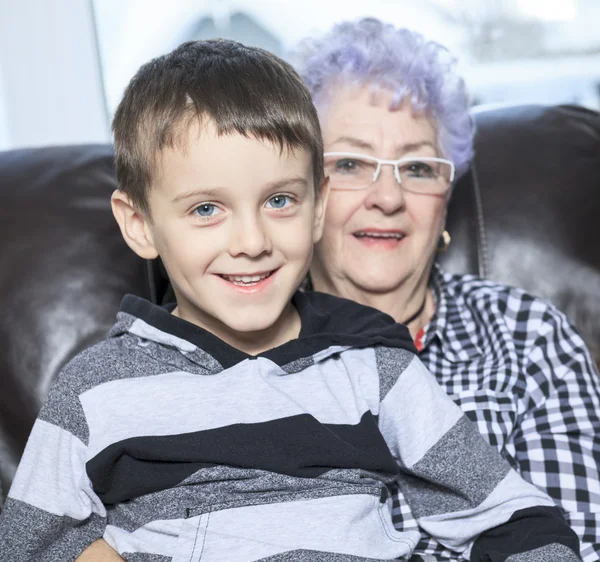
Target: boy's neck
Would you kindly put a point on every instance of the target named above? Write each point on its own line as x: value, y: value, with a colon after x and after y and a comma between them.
x: 286, y: 328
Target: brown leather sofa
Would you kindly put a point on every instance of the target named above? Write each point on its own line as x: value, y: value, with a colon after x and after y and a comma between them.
x: 527, y: 214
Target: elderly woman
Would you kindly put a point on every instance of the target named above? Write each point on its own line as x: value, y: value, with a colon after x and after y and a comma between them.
x: 397, y: 132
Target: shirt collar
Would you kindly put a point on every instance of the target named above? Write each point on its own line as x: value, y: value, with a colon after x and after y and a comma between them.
x: 450, y: 319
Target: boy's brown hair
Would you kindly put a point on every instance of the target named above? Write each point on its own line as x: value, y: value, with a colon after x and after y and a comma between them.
x: 243, y: 90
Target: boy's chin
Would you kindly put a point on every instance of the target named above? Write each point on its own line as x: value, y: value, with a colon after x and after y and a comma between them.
x: 275, y: 325
x: 249, y: 326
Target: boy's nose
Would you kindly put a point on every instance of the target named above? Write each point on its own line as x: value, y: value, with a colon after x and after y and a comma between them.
x: 249, y: 237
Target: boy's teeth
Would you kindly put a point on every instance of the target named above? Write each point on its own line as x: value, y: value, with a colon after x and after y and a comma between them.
x: 246, y: 279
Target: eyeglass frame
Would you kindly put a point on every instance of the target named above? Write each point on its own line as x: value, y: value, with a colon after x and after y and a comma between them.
x: 395, y: 163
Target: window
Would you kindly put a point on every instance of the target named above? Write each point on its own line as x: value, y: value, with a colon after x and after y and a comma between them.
x: 510, y: 51
x: 4, y: 140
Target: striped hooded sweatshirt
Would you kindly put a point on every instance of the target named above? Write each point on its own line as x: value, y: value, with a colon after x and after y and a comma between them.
x: 175, y: 447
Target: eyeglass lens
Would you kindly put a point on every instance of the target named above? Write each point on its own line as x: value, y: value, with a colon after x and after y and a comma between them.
x: 417, y: 175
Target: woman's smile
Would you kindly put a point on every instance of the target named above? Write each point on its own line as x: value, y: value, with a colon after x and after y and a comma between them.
x: 380, y: 239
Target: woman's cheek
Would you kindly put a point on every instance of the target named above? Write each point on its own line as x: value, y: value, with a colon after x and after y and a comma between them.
x: 341, y: 207
x: 428, y: 218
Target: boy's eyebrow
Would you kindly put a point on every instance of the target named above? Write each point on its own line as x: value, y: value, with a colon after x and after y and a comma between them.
x: 300, y: 181
x: 214, y: 192
x: 209, y: 192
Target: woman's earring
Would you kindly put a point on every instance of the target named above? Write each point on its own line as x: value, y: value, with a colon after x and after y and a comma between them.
x: 444, y: 242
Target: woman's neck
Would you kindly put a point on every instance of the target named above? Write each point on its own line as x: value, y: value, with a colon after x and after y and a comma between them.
x: 423, y: 316
x: 415, y: 304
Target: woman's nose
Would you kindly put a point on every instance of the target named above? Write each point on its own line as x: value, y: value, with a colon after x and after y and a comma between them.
x: 386, y: 193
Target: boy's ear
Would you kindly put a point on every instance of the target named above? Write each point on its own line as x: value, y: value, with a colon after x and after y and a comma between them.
x: 321, y: 199
x: 134, y: 225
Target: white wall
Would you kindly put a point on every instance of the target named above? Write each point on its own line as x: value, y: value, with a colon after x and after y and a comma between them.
x: 50, y: 80
x: 3, y: 122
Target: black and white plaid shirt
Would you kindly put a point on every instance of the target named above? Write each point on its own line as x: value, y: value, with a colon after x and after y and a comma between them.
x: 522, y: 373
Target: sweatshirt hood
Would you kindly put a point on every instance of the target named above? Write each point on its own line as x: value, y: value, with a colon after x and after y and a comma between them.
x: 329, y: 326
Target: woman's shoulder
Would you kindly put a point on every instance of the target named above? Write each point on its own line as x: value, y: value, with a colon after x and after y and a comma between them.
x: 525, y: 315
x: 469, y: 288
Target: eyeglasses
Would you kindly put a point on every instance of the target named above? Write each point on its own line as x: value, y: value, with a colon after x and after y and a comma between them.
x: 426, y: 175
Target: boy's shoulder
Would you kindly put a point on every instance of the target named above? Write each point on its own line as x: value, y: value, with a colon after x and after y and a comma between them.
x: 118, y: 356
x: 100, y: 364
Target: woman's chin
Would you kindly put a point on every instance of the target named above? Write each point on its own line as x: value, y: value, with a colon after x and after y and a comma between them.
x: 382, y: 283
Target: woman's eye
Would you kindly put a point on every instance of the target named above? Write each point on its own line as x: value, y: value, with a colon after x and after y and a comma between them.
x: 420, y: 170
x: 347, y: 166
x: 207, y: 210
x: 279, y: 201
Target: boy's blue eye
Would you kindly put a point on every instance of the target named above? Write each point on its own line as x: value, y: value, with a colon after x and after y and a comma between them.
x: 206, y: 210
x: 279, y: 201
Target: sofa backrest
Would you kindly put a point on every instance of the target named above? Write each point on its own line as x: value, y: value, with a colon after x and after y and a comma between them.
x: 63, y: 270
x: 526, y: 214
x: 528, y: 211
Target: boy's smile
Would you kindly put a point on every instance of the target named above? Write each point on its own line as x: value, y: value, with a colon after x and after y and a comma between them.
x: 249, y: 282
x: 234, y: 220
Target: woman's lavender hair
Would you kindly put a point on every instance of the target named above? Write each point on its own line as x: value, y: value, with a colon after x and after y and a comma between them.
x: 402, y: 61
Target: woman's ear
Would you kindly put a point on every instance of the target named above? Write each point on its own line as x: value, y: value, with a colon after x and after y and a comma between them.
x: 321, y: 199
x: 134, y: 225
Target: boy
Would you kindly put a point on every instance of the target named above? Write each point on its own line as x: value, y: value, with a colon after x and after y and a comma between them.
x: 250, y: 421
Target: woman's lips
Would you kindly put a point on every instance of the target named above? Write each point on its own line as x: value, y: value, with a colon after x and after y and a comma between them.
x: 382, y: 239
